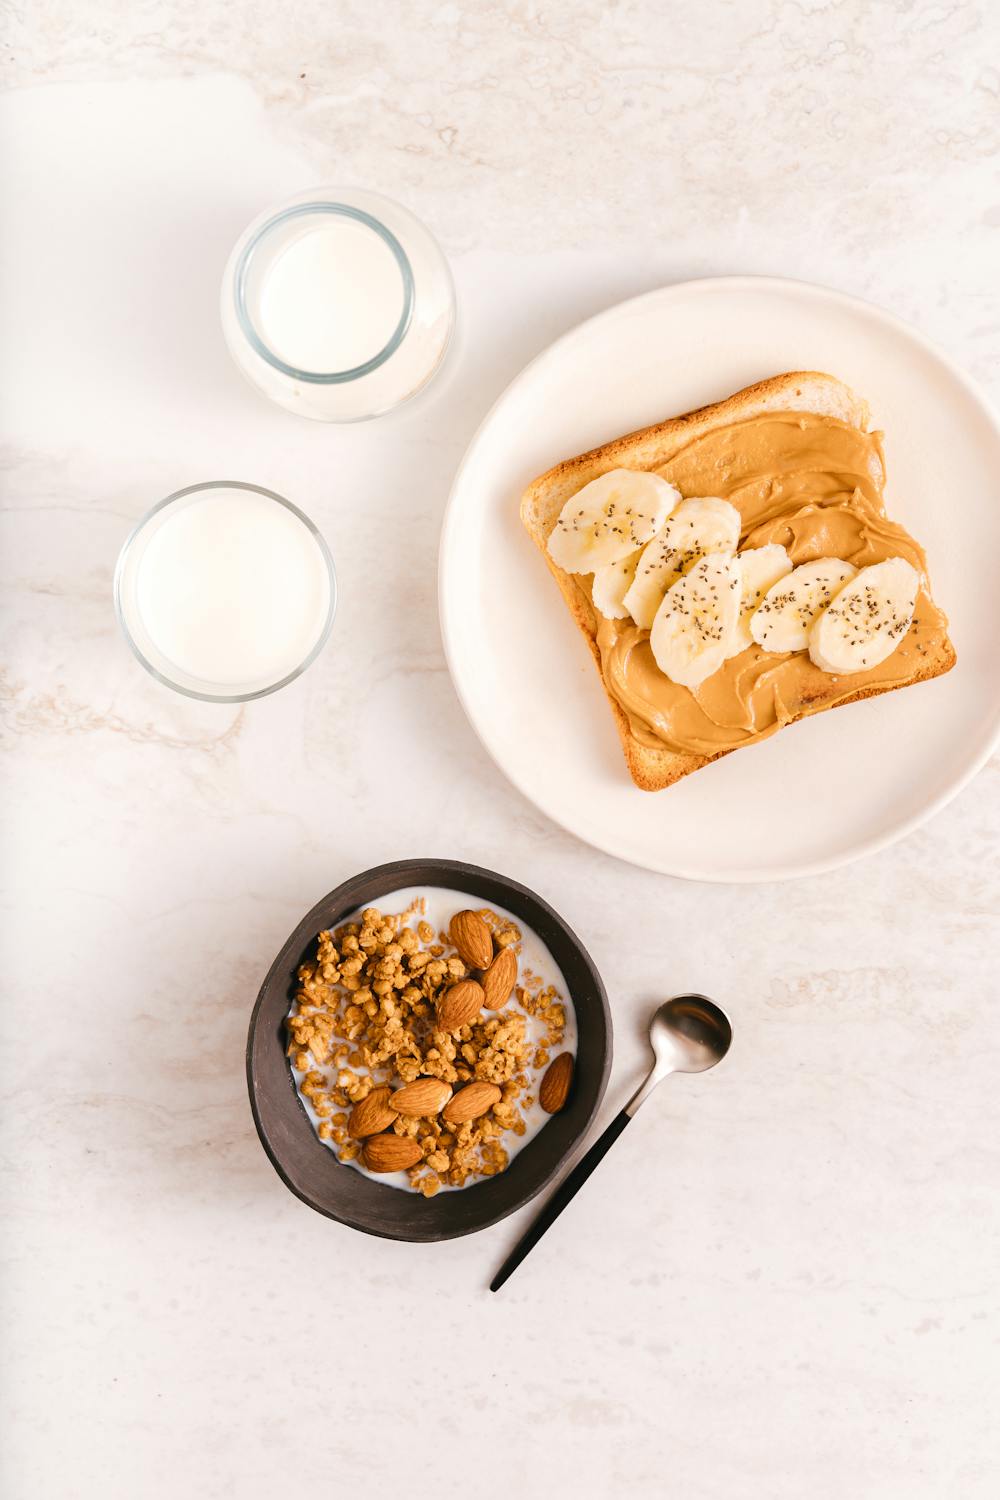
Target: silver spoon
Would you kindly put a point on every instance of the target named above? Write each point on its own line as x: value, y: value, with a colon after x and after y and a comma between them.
x: 688, y: 1034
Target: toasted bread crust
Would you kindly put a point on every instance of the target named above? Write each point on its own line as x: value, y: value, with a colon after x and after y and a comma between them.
x: 651, y: 768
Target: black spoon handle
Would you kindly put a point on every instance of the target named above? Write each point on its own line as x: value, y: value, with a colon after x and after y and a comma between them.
x: 566, y: 1190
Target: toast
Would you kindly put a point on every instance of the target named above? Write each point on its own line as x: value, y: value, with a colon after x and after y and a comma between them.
x: 654, y: 766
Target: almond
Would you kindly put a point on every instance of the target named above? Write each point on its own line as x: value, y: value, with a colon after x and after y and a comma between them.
x: 390, y: 1153
x: 421, y: 1098
x: 498, y: 981
x: 371, y: 1115
x: 460, y: 1005
x: 557, y: 1083
x: 471, y: 1102
x: 472, y: 938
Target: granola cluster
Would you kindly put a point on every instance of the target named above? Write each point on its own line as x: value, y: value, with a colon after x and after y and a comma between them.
x: 365, y: 1016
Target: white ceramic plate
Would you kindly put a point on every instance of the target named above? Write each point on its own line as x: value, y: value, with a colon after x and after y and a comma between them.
x: 821, y: 792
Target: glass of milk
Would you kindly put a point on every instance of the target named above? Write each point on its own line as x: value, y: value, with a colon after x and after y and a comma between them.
x: 339, y: 305
x: 225, y: 591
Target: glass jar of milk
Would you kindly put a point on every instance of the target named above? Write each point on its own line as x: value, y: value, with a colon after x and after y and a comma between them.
x: 338, y: 305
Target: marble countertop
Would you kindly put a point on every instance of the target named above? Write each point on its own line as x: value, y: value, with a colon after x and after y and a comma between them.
x: 784, y: 1282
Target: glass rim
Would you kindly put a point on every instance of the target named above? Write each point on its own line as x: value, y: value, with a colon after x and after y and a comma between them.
x: 246, y: 323
x: 122, y: 563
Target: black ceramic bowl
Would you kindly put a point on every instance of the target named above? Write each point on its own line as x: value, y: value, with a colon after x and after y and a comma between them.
x: 312, y: 1170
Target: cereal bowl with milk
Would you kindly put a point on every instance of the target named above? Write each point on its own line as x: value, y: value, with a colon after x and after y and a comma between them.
x: 427, y: 1049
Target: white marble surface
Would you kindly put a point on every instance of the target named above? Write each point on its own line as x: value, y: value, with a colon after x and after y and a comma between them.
x: 784, y: 1283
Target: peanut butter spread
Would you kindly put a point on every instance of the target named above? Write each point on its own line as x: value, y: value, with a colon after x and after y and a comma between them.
x: 812, y: 483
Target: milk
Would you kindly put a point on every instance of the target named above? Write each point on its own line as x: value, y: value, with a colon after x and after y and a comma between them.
x: 337, y: 304
x: 333, y: 298
x: 230, y: 588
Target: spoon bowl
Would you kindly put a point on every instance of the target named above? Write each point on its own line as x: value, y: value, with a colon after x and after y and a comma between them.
x: 689, y: 1034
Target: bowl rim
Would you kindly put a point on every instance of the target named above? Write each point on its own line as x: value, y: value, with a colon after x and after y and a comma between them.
x: 397, y: 871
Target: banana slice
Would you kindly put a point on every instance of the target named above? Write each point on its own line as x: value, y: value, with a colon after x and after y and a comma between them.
x: 695, y: 620
x: 609, y: 518
x: 611, y: 584
x: 782, y: 620
x: 867, y: 619
x: 760, y: 567
x: 694, y: 529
